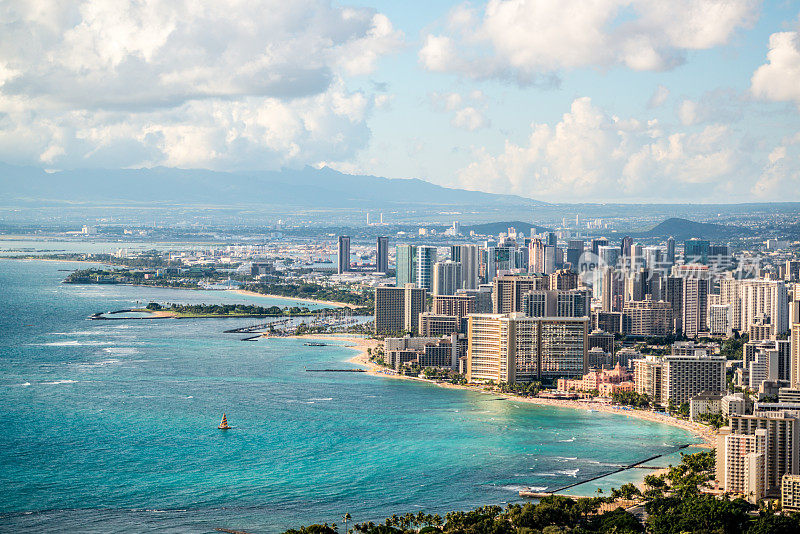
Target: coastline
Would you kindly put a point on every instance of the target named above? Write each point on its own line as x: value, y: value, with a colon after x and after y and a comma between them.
x: 298, y: 299
x: 706, y: 433
x: 361, y: 344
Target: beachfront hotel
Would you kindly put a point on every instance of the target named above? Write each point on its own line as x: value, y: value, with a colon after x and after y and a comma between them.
x: 397, y: 309
x: 679, y: 376
x: 515, y: 348
x: 779, y: 428
x: 604, y: 381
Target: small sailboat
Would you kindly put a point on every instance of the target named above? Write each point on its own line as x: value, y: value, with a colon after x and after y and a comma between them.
x: 224, y: 424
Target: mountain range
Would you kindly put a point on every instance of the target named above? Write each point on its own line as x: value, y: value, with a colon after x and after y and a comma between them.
x: 303, y: 188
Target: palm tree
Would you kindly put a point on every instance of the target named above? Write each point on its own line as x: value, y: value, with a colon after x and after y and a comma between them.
x: 346, y: 517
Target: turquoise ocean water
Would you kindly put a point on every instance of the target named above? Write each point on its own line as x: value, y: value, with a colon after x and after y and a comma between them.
x: 110, y: 426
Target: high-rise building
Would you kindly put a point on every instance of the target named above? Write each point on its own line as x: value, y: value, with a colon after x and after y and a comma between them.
x: 397, y: 309
x: 781, y: 428
x: 791, y: 271
x: 608, y: 256
x: 507, y: 291
x: 649, y: 317
x: 541, y: 257
x: 636, y: 260
x: 343, y: 254
x: 756, y: 301
x: 777, y: 355
x: 745, y: 459
x: 406, y: 259
x: 556, y: 303
x: 468, y: 256
x: 597, y: 243
x: 434, y: 325
x: 696, y: 251
x: 719, y: 320
x: 513, y: 348
x: 790, y: 493
x: 574, y: 252
x: 601, y: 339
x: 653, y: 258
x: 426, y: 257
x: 625, y: 246
x: 382, y: 256
x: 613, y: 290
x: 635, y: 284
x: 687, y: 291
x: 500, y: 260
x: 794, y: 337
x: 679, y: 377
x: 563, y: 279
x: 446, y: 277
x: 671, y: 251
x: 459, y: 305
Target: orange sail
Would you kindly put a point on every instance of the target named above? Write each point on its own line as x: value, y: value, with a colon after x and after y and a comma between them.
x: 224, y: 424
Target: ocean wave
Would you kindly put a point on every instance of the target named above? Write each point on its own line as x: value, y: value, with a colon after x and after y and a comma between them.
x: 57, y: 382
x: 77, y: 333
x: 74, y: 343
x: 569, y: 472
x: 101, y: 363
x: 564, y: 458
x: 322, y: 399
x: 570, y: 440
x: 518, y: 488
x: 123, y: 351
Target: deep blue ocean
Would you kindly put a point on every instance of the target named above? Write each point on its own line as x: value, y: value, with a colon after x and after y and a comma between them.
x: 110, y: 426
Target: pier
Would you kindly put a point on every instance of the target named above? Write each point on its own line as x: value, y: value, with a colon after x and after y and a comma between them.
x: 637, y: 465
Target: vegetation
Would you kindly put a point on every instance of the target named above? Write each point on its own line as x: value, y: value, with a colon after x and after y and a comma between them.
x: 317, y: 292
x: 188, y: 278
x: 732, y: 347
x: 231, y: 310
x: 631, y: 398
x: 529, y: 389
x: 716, y: 420
x: 674, y: 503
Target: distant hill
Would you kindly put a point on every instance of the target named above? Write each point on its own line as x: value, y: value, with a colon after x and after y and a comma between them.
x: 496, y: 228
x: 682, y: 229
x: 303, y: 188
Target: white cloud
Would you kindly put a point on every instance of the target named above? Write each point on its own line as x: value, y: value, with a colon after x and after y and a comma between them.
x: 468, y: 111
x: 589, y: 155
x: 659, y: 96
x: 174, y: 82
x: 529, y: 40
x: 470, y: 119
x: 781, y: 172
x: 687, y: 112
x: 779, y: 78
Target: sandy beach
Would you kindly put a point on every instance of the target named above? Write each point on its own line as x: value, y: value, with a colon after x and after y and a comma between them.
x: 362, y: 358
x: 312, y: 301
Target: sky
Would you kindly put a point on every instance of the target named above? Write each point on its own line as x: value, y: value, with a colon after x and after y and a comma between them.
x: 557, y: 100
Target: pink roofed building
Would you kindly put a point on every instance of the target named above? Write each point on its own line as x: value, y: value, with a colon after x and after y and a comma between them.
x: 600, y: 380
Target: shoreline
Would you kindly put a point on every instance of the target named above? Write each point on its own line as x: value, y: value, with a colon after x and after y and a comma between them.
x: 707, y: 434
x: 361, y: 344
x: 244, y: 292
x: 248, y: 293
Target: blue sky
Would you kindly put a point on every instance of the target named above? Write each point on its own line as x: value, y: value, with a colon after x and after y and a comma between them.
x: 617, y: 100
